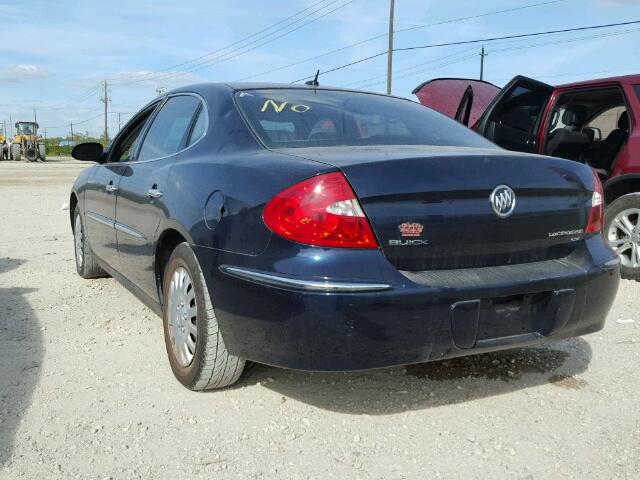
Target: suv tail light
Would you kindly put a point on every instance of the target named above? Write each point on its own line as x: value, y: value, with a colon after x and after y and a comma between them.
x: 321, y: 211
x: 596, y: 215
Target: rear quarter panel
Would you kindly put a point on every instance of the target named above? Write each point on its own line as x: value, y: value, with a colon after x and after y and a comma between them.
x: 218, y: 188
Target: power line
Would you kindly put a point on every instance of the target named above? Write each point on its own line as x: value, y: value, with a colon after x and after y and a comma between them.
x: 367, y: 82
x: 422, y: 68
x: 242, y: 40
x: 467, y: 42
x: 520, y: 47
x: 244, y: 49
x: 367, y: 40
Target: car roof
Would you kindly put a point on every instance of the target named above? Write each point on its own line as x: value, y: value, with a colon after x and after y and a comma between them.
x: 210, y: 87
x: 623, y: 79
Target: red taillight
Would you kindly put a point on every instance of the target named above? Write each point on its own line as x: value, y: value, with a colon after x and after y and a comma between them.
x: 596, y: 215
x: 321, y: 211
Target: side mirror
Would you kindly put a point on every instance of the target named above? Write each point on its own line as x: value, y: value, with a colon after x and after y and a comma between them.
x: 90, y: 152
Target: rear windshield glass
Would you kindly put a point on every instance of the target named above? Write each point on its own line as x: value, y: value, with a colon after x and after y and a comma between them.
x: 284, y: 118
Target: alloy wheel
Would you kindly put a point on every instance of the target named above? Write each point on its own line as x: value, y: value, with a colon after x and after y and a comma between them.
x: 624, y: 237
x: 182, y: 316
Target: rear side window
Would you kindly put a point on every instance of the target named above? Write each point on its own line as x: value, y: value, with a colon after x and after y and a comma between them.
x: 168, y: 132
x: 198, y: 127
x: 637, y: 89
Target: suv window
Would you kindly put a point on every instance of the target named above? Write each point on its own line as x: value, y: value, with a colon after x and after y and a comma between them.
x: 637, y: 90
x: 167, y: 134
x: 520, y: 110
x: 607, y: 121
x: 125, y: 148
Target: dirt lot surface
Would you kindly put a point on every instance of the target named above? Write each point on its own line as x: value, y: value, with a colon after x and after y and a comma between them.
x: 86, y: 390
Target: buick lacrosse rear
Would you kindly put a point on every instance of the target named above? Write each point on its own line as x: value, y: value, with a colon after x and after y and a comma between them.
x: 323, y: 229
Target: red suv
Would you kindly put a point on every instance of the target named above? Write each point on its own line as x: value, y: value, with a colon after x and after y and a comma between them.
x: 593, y: 122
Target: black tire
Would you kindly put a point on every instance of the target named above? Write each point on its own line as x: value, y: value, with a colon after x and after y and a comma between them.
x: 42, y: 153
x: 31, y: 154
x: 620, y: 205
x: 211, y: 365
x: 86, y: 263
x: 16, y: 152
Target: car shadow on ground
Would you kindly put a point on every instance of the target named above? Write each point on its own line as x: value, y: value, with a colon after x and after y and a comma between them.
x: 21, y: 352
x: 433, y: 384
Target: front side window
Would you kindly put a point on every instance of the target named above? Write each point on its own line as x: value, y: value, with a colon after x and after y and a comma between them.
x: 521, y: 108
x: 130, y: 139
x: 168, y: 132
x: 284, y: 118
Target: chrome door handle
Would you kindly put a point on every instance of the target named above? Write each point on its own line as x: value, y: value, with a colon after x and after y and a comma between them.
x: 154, y: 193
x: 111, y: 188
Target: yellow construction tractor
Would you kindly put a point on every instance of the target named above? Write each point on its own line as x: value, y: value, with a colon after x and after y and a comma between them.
x: 27, y: 144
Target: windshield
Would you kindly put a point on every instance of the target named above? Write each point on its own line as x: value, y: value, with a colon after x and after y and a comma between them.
x: 26, y: 128
x: 285, y: 118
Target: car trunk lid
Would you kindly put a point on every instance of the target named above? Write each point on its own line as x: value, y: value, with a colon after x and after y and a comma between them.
x: 430, y: 207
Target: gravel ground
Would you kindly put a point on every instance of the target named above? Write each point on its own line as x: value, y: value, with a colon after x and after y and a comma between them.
x: 86, y: 390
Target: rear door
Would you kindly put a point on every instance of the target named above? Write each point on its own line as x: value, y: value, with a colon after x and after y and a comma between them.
x: 141, y: 203
x: 513, y: 118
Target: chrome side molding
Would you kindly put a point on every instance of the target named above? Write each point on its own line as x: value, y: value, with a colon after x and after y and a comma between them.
x: 110, y: 222
x: 275, y: 280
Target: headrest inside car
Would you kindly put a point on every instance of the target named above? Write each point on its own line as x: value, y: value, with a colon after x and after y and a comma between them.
x: 623, y: 121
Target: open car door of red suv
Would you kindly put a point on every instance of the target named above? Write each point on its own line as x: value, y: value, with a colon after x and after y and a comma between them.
x: 509, y: 117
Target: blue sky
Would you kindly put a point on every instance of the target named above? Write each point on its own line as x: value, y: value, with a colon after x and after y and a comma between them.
x: 54, y: 54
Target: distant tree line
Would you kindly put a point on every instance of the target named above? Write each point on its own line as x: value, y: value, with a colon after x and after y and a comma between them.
x: 62, y: 146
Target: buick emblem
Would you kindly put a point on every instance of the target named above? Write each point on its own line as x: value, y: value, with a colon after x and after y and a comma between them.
x: 503, y: 201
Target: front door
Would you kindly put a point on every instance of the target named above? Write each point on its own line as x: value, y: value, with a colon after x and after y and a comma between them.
x: 513, y: 118
x: 141, y: 196
x: 102, y: 192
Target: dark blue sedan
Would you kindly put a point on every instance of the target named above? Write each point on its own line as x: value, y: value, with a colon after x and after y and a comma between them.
x: 323, y: 229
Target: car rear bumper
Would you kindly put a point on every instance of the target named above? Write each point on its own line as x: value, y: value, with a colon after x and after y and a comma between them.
x: 302, y: 322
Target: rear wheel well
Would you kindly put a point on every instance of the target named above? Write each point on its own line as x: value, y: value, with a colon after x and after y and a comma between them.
x: 621, y: 187
x: 167, y: 243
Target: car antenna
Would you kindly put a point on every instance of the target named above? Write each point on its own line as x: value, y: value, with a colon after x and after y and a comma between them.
x: 314, y: 82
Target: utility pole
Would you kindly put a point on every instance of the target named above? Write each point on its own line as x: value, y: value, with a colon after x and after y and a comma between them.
x: 11, y: 125
x: 390, y: 50
x: 72, y: 133
x: 482, y: 55
x: 35, y: 119
x: 119, y: 122
x: 105, y: 99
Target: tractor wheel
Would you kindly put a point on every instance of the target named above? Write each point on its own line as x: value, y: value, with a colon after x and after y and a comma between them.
x: 42, y: 152
x: 31, y: 154
x: 16, y: 152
